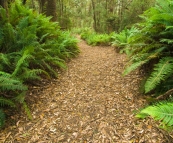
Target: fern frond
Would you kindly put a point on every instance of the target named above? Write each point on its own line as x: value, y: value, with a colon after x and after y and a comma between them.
x: 49, y: 68
x: 7, y: 82
x: 56, y: 61
x: 5, y: 101
x: 20, y: 97
x: 31, y: 74
x: 160, y: 111
x: 27, y: 110
x: 161, y: 71
x: 168, y: 41
x: 2, y: 118
x: 4, y: 59
x: 26, y: 55
x: 3, y: 15
x: 134, y: 66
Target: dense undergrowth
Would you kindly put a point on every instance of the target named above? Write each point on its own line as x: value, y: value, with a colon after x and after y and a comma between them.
x: 93, y: 38
x: 150, y: 47
x: 31, y: 48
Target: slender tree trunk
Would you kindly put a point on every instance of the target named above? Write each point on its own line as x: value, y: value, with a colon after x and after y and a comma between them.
x: 94, y: 15
x: 3, y: 3
x: 24, y: 2
x: 41, y: 6
x: 51, y: 9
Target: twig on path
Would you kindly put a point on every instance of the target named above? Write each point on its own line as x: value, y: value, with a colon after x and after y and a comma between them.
x: 165, y: 95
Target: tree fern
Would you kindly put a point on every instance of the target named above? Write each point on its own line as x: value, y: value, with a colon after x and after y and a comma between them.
x: 161, y: 71
x: 161, y: 111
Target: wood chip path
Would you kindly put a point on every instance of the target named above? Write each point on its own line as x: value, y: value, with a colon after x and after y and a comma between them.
x: 91, y: 102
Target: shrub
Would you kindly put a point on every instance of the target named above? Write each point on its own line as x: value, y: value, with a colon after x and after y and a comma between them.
x: 121, y: 40
x: 95, y: 39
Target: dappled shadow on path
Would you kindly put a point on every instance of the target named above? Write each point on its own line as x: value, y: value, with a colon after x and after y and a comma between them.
x: 90, y: 102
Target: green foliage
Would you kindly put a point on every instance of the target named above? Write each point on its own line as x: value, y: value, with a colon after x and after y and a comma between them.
x: 121, y: 40
x: 27, y: 111
x: 7, y: 82
x: 152, y: 46
x: 161, y: 72
x: 161, y: 111
x: 95, y: 39
x: 31, y: 47
x: 4, y: 102
x: 2, y: 118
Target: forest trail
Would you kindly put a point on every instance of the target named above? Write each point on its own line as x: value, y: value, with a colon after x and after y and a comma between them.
x: 89, y: 103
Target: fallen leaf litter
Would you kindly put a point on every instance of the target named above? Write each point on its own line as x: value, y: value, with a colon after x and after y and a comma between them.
x: 90, y: 102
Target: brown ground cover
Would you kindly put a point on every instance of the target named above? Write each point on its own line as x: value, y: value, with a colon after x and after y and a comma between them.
x: 89, y: 103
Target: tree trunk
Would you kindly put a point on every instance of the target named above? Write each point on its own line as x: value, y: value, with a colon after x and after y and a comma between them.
x: 94, y: 15
x: 51, y: 9
x: 3, y: 3
x: 41, y: 6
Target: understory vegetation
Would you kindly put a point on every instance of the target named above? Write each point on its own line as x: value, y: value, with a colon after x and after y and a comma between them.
x: 31, y: 48
x: 93, y: 38
x: 150, y: 47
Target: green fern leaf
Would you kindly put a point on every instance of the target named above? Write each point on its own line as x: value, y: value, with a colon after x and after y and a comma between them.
x: 160, y: 111
x: 7, y: 82
x: 27, y: 110
x: 31, y: 74
x: 21, y: 97
x: 2, y: 118
x: 168, y: 41
x: 26, y: 55
x: 134, y: 66
x: 161, y: 71
x: 4, y: 59
x: 4, y: 101
x: 48, y: 68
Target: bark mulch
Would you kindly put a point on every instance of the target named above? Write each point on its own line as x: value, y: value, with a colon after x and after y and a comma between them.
x: 90, y: 102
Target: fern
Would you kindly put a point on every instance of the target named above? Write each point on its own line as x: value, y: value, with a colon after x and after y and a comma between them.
x: 20, y: 98
x: 7, y: 82
x: 161, y: 111
x: 2, y: 118
x: 27, y: 110
x: 134, y: 66
x: 5, y: 101
x: 25, y: 56
x: 31, y: 74
x: 162, y: 70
